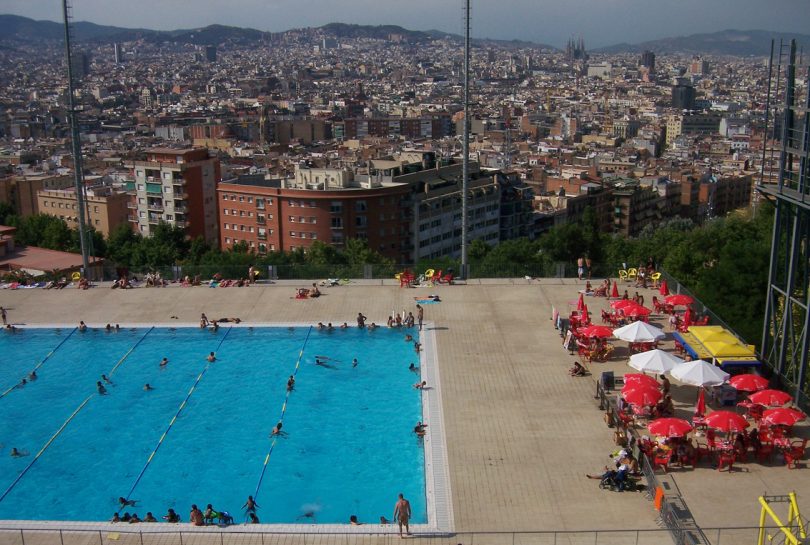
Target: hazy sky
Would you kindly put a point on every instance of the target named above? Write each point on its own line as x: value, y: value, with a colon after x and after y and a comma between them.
x: 599, y: 22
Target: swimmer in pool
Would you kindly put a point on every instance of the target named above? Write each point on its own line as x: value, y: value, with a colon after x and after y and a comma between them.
x: 147, y: 387
x: 123, y: 502
x: 101, y: 389
x: 33, y: 375
x: 354, y: 362
x: 164, y: 362
x: 290, y: 383
x: 106, y: 379
x: 212, y: 357
x: 413, y: 368
x: 277, y: 430
x: 14, y: 453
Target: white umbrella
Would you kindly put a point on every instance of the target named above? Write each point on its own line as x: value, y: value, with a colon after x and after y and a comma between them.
x: 654, y: 361
x: 639, y: 332
x: 699, y: 373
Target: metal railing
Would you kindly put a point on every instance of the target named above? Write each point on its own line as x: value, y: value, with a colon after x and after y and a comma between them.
x: 129, y: 535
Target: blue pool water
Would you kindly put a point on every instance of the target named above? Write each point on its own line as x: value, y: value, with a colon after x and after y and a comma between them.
x: 350, y: 448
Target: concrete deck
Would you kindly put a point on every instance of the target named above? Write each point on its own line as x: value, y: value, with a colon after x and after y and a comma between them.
x: 521, y: 433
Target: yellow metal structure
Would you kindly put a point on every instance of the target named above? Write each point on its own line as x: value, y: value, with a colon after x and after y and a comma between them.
x: 793, y: 529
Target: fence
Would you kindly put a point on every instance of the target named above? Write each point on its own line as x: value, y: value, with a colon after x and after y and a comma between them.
x: 240, y: 535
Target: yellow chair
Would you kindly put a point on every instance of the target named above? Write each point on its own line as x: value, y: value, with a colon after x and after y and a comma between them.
x: 655, y: 277
x: 429, y: 274
x: 76, y: 276
x: 631, y: 274
x: 622, y: 275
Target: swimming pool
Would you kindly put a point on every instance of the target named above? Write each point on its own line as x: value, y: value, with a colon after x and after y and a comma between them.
x: 349, y: 447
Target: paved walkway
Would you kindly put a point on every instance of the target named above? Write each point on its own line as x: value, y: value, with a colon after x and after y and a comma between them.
x: 520, y: 432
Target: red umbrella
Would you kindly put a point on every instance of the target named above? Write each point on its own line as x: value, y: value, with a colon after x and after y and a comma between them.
x: 615, y: 293
x: 700, y: 406
x: 636, y: 310
x: 782, y: 417
x: 580, y: 302
x: 749, y: 382
x: 621, y: 303
x: 634, y: 379
x: 726, y: 421
x: 771, y: 398
x: 679, y: 300
x: 596, y: 331
x: 669, y: 427
x: 642, y: 395
x: 664, y: 289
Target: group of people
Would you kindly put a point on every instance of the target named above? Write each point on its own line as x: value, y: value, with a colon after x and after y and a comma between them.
x: 619, y: 477
x: 196, y: 516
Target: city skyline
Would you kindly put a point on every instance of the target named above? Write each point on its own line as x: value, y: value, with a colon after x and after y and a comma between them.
x: 599, y: 23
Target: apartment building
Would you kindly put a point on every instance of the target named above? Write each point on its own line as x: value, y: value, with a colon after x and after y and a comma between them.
x: 106, y: 208
x: 178, y: 187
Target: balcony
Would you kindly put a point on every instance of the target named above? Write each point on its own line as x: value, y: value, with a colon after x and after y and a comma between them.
x: 181, y: 208
x: 181, y: 224
x: 133, y: 219
x: 261, y: 237
x: 155, y: 189
x: 154, y: 218
x: 132, y: 206
x: 156, y: 206
x: 261, y: 221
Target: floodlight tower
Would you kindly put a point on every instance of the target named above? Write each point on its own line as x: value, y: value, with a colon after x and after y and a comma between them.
x: 785, y: 335
x: 465, y: 168
x: 78, y: 175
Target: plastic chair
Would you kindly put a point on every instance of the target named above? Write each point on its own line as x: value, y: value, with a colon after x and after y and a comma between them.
x: 702, y: 451
x: 631, y: 274
x: 795, y: 453
x: 726, y: 458
x: 661, y: 459
x: 429, y: 273
x: 622, y: 275
x: 765, y: 451
x: 655, y: 277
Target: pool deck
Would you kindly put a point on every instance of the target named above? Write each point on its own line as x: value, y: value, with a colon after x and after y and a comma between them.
x: 520, y: 433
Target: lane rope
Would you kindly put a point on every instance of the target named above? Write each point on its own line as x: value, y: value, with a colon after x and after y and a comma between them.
x: 51, y: 440
x: 281, y: 418
x: 37, y: 366
x: 174, y: 419
x: 117, y: 365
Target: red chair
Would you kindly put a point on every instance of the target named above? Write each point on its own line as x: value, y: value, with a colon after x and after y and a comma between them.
x: 702, y: 451
x: 447, y: 279
x: 661, y: 459
x: 727, y: 458
x: 765, y: 451
x: 437, y: 277
x: 795, y: 453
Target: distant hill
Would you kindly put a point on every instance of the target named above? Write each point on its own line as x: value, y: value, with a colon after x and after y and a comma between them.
x: 14, y: 28
x: 739, y: 43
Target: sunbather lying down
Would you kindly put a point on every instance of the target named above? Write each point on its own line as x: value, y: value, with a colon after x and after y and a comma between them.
x: 223, y: 320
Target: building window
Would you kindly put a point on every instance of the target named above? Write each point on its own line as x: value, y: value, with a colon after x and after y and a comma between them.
x: 241, y: 227
x: 224, y: 197
x: 233, y: 197
x: 360, y: 221
x: 227, y: 240
x: 260, y: 203
x: 251, y: 229
x: 360, y: 206
x: 225, y: 211
x: 250, y: 199
x: 292, y: 219
x: 337, y: 223
x: 242, y: 213
x: 312, y: 219
x: 292, y: 234
x: 313, y: 236
x: 312, y: 204
x: 302, y: 219
x: 336, y: 207
x: 241, y: 198
x: 140, y: 187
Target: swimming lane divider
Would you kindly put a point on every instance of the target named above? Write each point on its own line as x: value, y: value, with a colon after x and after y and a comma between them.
x: 281, y: 418
x: 174, y: 419
x: 37, y: 366
x: 51, y: 440
x: 117, y: 365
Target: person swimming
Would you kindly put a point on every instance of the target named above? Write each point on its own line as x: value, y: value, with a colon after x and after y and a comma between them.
x: 123, y: 502
x: 14, y: 453
x: 290, y: 383
x: 212, y: 357
x: 322, y: 363
x: 100, y: 387
x: 33, y: 375
x: 413, y: 368
x: 354, y: 362
x: 147, y: 387
x: 277, y: 430
x: 164, y: 362
x: 106, y: 379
